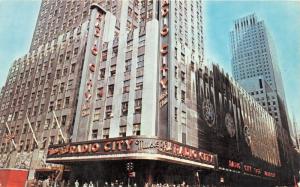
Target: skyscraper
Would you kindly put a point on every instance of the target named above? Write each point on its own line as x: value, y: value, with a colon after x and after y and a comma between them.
x: 254, y: 63
x: 255, y: 68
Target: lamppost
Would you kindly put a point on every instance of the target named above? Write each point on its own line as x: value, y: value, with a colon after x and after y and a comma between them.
x: 129, y: 167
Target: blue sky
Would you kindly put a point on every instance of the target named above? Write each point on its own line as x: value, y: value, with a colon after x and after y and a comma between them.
x: 17, y: 23
x: 18, y: 18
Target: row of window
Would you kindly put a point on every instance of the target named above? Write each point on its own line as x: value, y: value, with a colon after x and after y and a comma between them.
x: 124, y: 110
x: 122, y: 131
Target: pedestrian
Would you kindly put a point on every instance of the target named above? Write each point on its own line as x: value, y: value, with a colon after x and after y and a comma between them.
x: 85, y: 185
x: 45, y: 183
x: 63, y: 183
x: 91, y: 184
x: 76, y: 183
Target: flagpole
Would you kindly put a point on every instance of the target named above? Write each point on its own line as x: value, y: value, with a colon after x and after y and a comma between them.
x: 13, y: 141
x: 33, y: 134
x: 59, y: 127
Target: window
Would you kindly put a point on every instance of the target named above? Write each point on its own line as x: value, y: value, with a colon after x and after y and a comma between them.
x: 115, y: 52
x: 76, y: 51
x: 62, y: 87
x: 136, y: 129
x: 16, y: 116
x: 51, y: 106
x: 182, y: 76
x: 109, y: 112
x: 38, y: 126
x: 45, y: 91
x: 176, y: 97
x: 59, y: 104
x: 183, y: 118
x: 54, y: 90
x: 35, y: 111
x: 27, y: 145
x: 175, y: 72
x: 139, y: 86
x: 48, y: 77
x: 54, y: 124
x: 176, y: 114
x: 122, y: 132
x: 97, y: 114
x: 138, y: 106
x: 110, y: 90
x: 113, y: 70
x: 47, y: 123
x: 94, y: 133
x: 65, y: 72
x: 104, y: 56
x: 105, y: 133
x: 124, y: 108
x: 52, y: 139
x: 25, y: 128
x: 61, y: 58
x: 126, y: 89
x: 182, y: 96
x: 73, y: 66
x: 67, y: 101
x: 58, y: 72
x: 128, y: 65
x: 140, y: 62
x: 183, y: 137
x: 63, y: 120
x: 102, y: 73
x: 100, y: 93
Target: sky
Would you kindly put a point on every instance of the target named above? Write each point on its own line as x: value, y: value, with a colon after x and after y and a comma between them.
x: 17, y: 23
x: 18, y: 18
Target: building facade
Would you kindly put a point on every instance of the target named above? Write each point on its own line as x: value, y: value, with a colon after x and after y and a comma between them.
x: 116, y: 90
x: 254, y: 56
x: 255, y: 68
x: 130, y: 52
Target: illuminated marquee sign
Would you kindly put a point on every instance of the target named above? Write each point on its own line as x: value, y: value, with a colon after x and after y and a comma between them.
x: 85, y: 108
x: 249, y: 169
x: 132, y: 145
x: 164, y: 53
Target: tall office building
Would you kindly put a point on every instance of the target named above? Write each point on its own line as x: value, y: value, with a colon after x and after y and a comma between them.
x: 254, y: 63
x: 255, y: 68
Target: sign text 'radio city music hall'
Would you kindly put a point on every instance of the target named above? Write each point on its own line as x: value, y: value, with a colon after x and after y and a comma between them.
x: 132, y: 145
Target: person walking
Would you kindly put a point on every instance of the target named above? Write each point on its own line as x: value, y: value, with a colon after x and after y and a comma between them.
x: 91, y: 184
x: 85, y: 185
x: 76, y: 183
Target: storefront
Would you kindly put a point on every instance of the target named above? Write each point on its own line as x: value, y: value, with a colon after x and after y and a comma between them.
x: 138, y: 160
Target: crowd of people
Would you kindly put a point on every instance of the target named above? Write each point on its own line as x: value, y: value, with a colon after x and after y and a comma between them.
x: 48, y: 183
x: 51, y: 183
